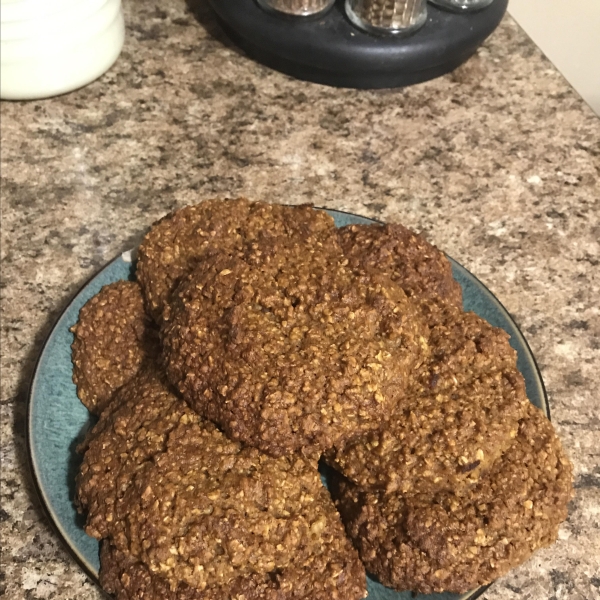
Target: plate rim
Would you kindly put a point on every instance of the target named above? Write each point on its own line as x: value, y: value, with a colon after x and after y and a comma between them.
x: 31, y: 458
x: 45, y: 504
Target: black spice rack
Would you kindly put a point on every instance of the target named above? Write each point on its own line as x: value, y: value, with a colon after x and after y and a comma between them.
x: 328, y: 49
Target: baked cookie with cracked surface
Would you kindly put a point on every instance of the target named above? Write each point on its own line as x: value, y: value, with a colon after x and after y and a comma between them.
x: 406, y: 257
x: 286, y: 349
x: 326, y: 577
x: 132, y: 432
x: 195, y: 510
x: 455, y: 541
x: 112, y: 338
x: 177, y: 242
x: 461, y: 413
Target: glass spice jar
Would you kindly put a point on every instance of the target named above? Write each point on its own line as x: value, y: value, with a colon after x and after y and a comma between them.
x: 300, y: 8
x: 397, y: 17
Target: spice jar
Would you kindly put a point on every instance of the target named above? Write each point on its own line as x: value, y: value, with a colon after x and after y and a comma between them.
x: 398, y: 17
x: 300, y: 8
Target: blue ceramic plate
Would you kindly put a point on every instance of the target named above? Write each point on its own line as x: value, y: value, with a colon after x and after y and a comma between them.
x: 57, y: 420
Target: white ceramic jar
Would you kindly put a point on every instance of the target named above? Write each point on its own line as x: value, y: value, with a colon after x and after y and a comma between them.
x: 49, y: 47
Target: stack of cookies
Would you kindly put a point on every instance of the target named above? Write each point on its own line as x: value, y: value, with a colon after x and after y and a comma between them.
x: 258, y: 340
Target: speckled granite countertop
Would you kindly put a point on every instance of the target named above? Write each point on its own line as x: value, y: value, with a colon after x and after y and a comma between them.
x: 499, y: 163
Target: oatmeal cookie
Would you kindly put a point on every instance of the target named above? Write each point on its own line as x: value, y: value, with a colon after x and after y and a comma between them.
x: 112, y: 338
x: 453, y: 541
x: 334, y: 576
x: 416, y: 265
x: 286, y: 349
x: 135, y: 430
x: 178, y: 241
x: 197, y: 510
x: 461, y: 413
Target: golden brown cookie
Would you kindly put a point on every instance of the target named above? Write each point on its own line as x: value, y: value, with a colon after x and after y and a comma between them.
x: 112, y: 338
x: 405, y: 256
x: 454, y: 542
x: 459, y: 416
x: 175, y: 244
x: 333, y: 576
x: 197, y: 510
x: 286, y: 349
